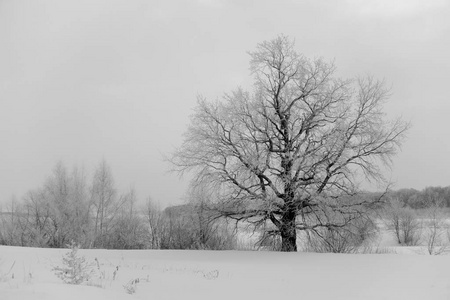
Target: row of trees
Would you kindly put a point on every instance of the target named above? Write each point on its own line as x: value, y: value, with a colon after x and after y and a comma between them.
x: 95, y: 215
x: 425, y: 198
x: 66, y: 208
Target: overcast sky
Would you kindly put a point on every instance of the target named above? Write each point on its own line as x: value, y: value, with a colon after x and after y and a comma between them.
x: 84, y: 80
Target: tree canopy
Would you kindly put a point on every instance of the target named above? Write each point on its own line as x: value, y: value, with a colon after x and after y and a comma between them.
x: 293, y: 149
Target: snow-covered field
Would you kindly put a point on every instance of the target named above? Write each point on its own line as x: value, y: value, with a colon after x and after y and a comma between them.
x: 26, y: 273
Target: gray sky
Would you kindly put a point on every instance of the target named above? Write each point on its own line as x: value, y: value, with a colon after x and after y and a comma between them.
x: 84, y: 80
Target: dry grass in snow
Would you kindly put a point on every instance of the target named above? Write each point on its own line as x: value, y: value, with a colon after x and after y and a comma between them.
x: 26, y: 273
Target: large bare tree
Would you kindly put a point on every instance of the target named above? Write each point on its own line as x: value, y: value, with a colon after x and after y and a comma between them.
x: 293, y: 150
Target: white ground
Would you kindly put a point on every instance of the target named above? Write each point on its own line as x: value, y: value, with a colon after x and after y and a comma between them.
x: 228, y: 275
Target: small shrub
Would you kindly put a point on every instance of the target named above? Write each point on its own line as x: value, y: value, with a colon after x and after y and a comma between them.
x: 211, y: 274
x: 75, y: 270
x: 131, y: 286
x: 335, y: 240
x: 7, y: 275
x: 270, y: 241
x: 436, y: 227
x: 410, y: 228
x: 347, y: 239
x: 403, y: 222
x: 369, y: 249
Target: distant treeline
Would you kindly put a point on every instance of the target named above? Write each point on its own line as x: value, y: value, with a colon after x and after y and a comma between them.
x: 429, y: 196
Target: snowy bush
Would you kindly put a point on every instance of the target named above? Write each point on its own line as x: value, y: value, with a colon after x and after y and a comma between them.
x: 131, y: 286
x: 436, y: 227
x: 269, y: 241
x: 357, y: 234
x: 211, y: 274
x: 403, y: 222
x: 75, y: 270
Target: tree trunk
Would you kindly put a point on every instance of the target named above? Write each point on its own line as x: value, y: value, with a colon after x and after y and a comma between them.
x: 289, y: 243
x: 288, y: 233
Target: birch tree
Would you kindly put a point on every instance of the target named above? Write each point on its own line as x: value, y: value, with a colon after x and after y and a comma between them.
x: 103, y: 199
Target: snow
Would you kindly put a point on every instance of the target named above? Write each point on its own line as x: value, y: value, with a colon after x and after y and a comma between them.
x: 227, y: 275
